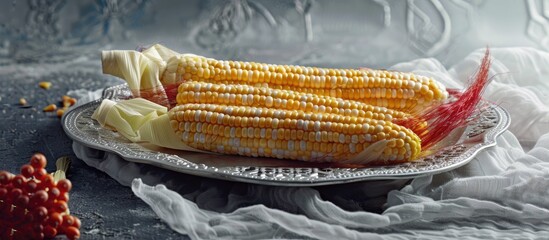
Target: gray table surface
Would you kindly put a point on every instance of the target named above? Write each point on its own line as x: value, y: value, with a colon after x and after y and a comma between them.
x: 107, y: 209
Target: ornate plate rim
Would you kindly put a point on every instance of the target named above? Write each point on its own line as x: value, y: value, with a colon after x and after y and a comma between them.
x: 293, y: 176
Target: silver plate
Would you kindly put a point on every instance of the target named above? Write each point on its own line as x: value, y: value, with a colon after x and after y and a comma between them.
x: 456, y: 150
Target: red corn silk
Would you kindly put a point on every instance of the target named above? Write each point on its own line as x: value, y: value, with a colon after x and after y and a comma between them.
x: 442, y: 119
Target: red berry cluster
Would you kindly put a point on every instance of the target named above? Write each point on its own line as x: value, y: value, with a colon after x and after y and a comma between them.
x: 33, y: 205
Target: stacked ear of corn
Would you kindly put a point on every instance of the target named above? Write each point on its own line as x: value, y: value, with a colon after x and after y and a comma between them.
x: 395, y: 90
x: 282, y: 111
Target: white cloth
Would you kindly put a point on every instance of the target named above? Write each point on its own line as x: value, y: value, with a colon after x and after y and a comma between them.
x: 502, y: 194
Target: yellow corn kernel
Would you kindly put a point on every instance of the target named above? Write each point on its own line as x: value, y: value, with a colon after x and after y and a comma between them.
x: 22, y: 102
x: 68, y: 101
x: 50, y: 108
x: 45, y: 85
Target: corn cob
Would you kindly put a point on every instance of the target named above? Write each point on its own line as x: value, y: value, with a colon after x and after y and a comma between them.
x: 245, y: 95
x: 289, y: 134
x: 403, y: 91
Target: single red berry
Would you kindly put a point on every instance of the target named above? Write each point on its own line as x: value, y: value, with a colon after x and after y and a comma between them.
x: 64, y: 185
x: 39, y: 198
x: 53, y: 193
x: 38, y: 160
x: 27, y: 170
x: 77, y: 223
x: 54, y: 219
x: 21, y: 201
x: 37, y: 228
x: 31, y: 186
x: 46, y: 181
x: 72, y: 233
x: 15, y: 193
x: 40, y: 213
x: 5, y: 177
x: 60, y: 206
x: 39, y: 173
x: 64, y: 197
x: 19, y: 181
x: 68, y: 220
x: 50, y: 232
